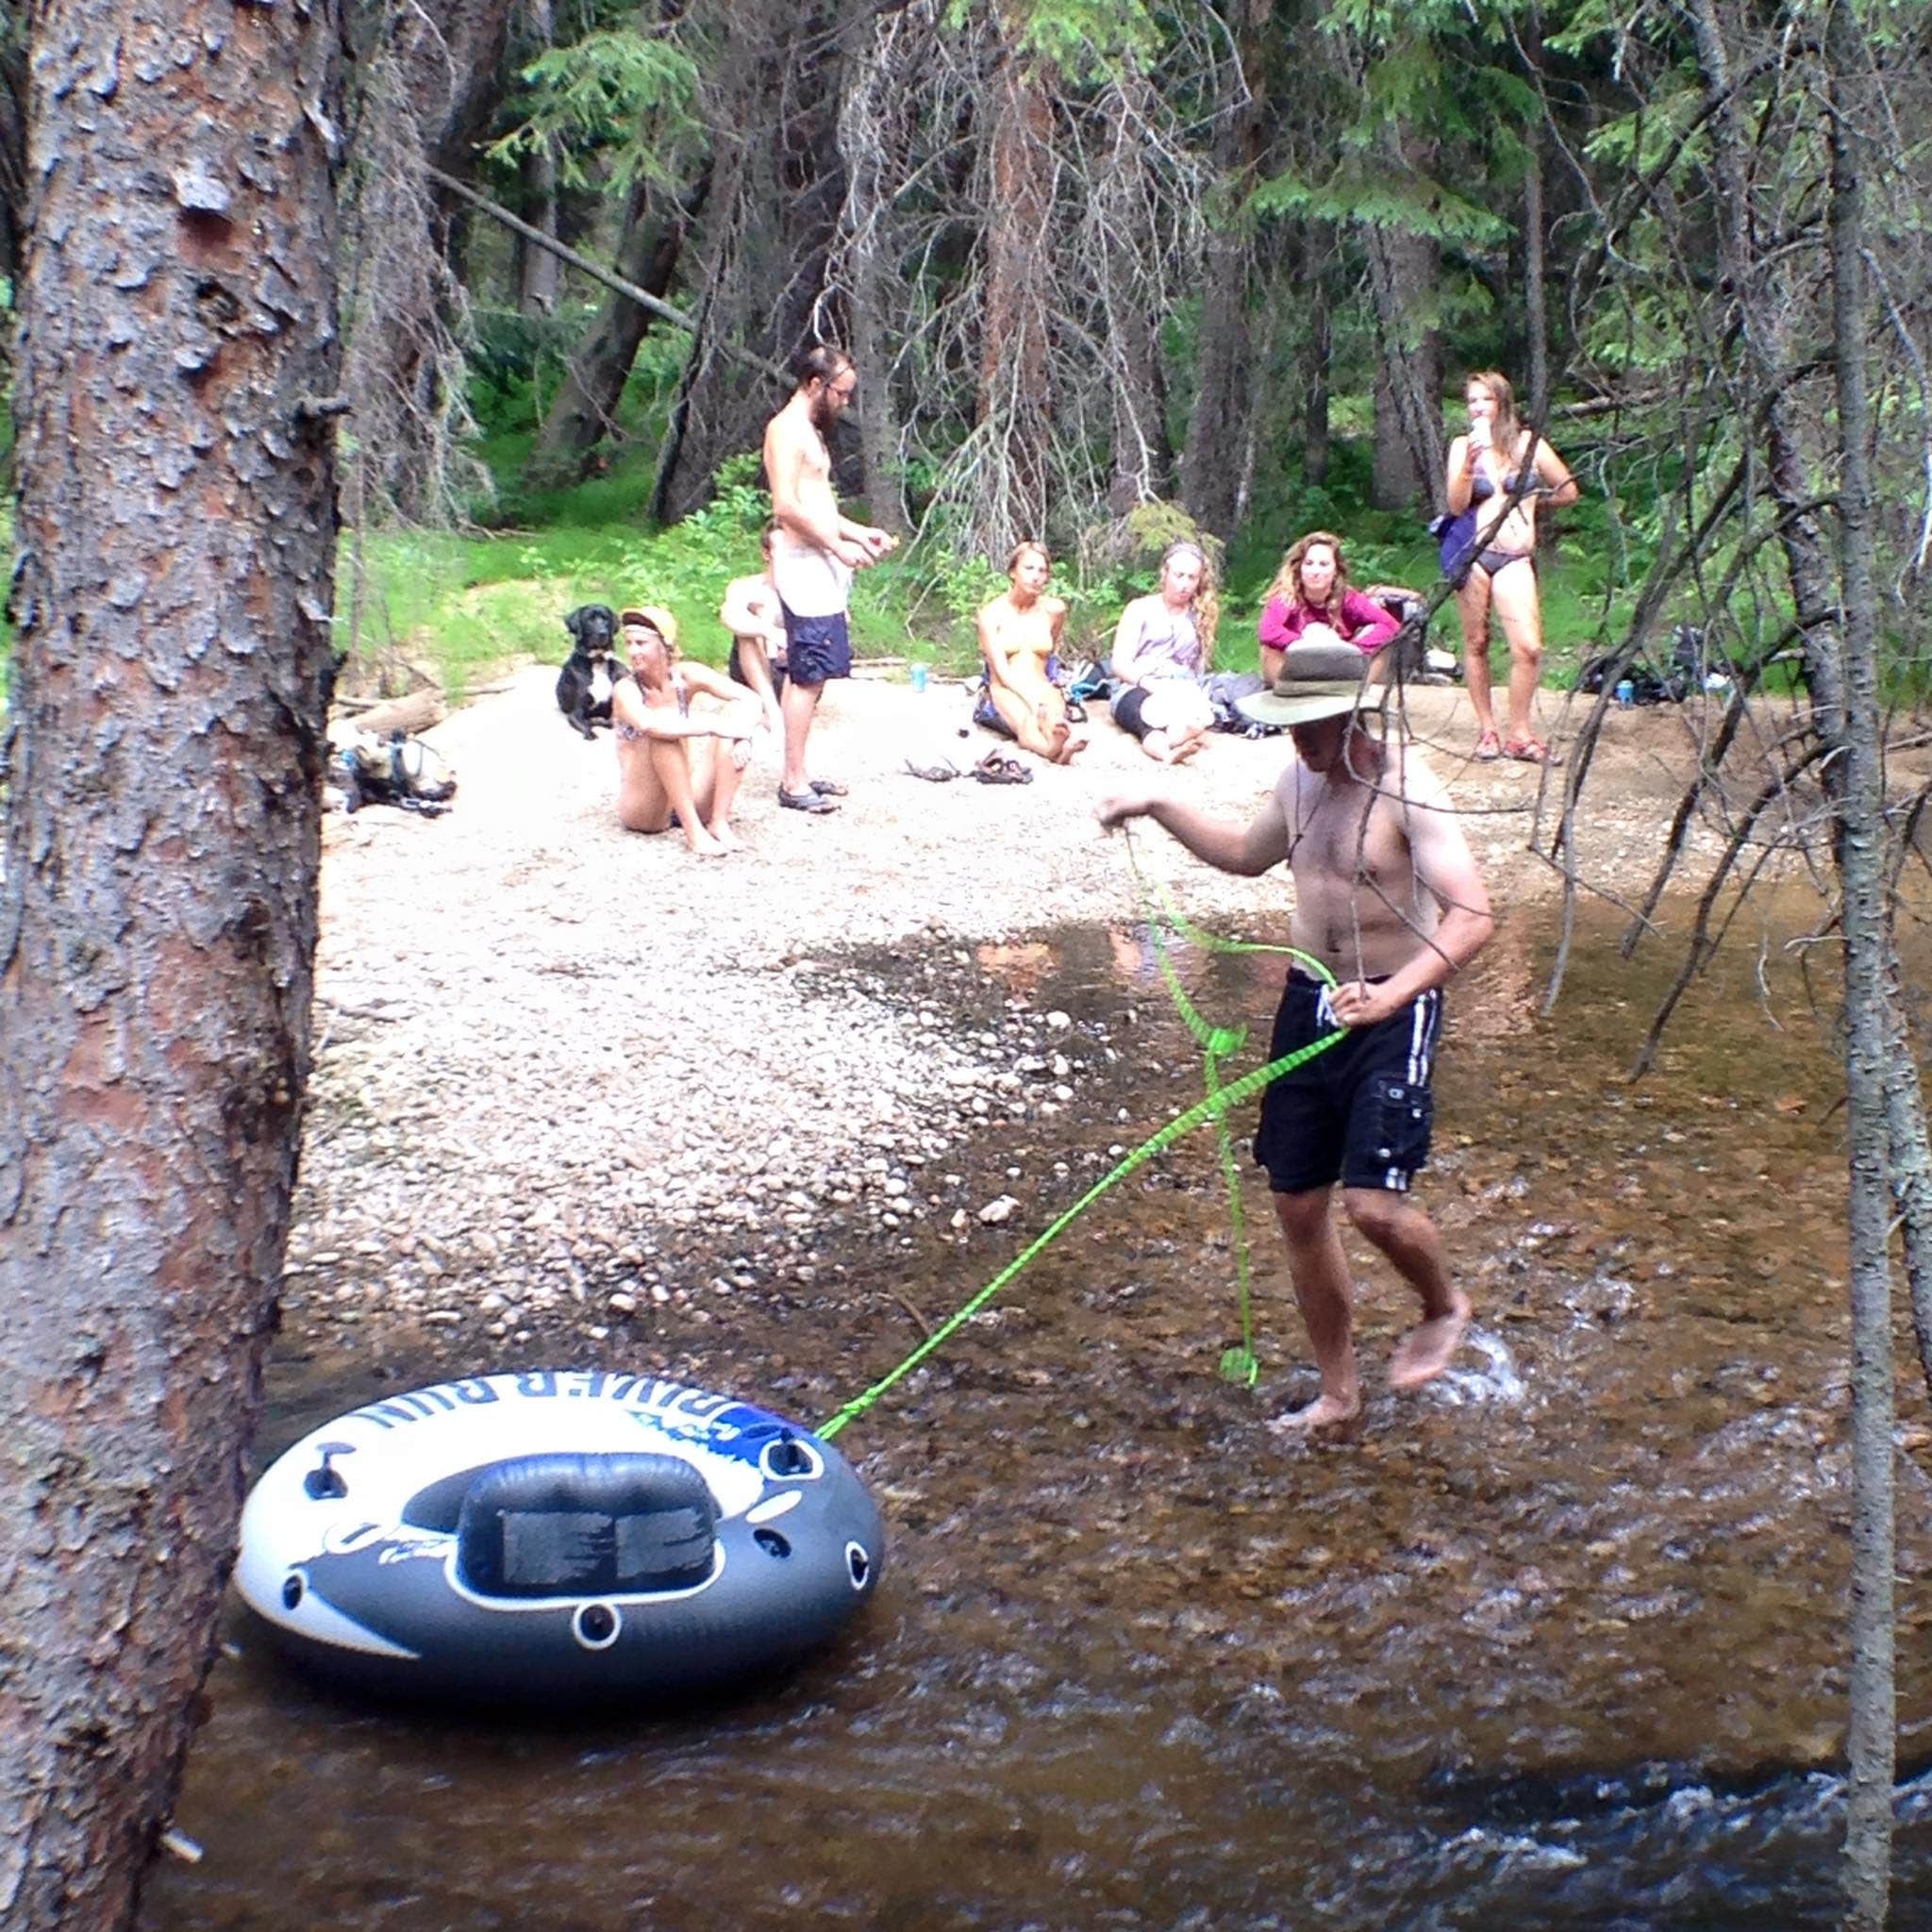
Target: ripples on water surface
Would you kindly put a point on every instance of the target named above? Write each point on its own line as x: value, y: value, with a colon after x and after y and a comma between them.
x: 1558, y: 1643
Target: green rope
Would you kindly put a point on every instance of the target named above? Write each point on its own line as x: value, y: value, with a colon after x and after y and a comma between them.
x: 1243, y: 1364
x: 1217, y: 1042
x: 1216, y: 1105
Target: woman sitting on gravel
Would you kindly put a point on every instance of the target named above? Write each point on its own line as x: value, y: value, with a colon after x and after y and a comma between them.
x: 669, y: 770
x: 1311, y: 602
x: 1163, y: 649
x: 1018, y: 633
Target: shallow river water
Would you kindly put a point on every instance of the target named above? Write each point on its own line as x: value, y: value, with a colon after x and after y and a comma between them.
x: 1558, y: 1642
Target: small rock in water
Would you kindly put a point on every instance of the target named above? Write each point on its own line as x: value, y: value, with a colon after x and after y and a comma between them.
x: 997, y: 1209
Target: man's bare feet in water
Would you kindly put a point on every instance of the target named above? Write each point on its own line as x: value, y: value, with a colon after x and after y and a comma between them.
x: 1429, y: 1347
x: 1324, y: 1412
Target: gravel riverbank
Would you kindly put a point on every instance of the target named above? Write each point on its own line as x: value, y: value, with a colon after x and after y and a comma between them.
x: 566, y: 1073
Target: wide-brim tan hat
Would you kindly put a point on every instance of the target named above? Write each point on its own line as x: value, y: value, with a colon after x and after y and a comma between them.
x: 1317, y: 681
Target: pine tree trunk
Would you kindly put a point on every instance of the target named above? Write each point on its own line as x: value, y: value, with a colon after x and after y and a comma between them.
x: 1872, y: 1743
x: 771, y: 223
x: 872, y: 144
x: 584, y: 412
x: 1409, y: 451
x: 1015, y: 401
x: 1317, y: 355
x: 538, y: 273
x: 177, y: 534
x: 872, y: 293
x: 1535, y: 305
x: 1142, y: 452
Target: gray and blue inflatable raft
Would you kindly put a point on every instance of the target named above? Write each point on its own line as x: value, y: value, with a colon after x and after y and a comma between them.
x: 556, y: 1536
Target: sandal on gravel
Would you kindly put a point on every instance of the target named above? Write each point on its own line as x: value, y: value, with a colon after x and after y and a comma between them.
x: 1529, y: 751
x: 997, y: 769
x: 1489, y: 748
x: 803, y: 801
x: 828, y: 788
x: 936, y: 774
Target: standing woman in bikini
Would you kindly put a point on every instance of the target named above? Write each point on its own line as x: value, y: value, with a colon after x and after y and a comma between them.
x: 1486, y: 468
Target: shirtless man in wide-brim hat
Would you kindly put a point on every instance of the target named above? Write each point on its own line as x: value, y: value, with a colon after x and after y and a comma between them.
x: 1389, y: 899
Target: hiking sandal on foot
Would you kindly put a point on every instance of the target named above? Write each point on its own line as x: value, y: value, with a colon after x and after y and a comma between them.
x: 1529, y: 751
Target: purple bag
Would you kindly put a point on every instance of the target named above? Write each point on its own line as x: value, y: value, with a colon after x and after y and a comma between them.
x: 1456, y: 541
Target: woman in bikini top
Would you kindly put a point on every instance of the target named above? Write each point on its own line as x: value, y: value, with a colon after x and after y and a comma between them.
x: 1499, y: 460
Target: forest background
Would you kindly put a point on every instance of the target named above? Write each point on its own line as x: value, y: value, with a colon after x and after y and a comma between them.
x: 1109, y: 270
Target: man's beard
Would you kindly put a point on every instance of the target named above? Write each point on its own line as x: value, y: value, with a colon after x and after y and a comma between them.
x: 824, y: 416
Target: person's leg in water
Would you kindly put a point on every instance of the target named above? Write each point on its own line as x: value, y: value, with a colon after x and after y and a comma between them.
x: 1326, y: 1296
x: 1393, y: 1223
x: 1472, y: 607
x: 1519, y: 610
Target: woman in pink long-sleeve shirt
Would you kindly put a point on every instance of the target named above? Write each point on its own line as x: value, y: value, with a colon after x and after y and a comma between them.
x: 1310, y: 603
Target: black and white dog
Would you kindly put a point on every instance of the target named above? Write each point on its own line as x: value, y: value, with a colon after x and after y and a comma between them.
x: 583, y: 686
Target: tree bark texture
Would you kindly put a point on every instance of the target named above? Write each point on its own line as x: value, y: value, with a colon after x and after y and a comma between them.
x: 1409, y: 451
x: 540, y: 274
x: 1142, y: 452
x: 1536, y: 302
x: 770, y: 223
x: 1765, y: 308
x: 1224, y: 356
x: 176, y: 533
x: 1872, y: 1742
x: 1316, y: 353
x: 585, y: 410
x: 428, y: 80
x: 1015, y: 411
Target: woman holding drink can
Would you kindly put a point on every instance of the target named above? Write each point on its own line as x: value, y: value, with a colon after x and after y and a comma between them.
x: 1504, y: 470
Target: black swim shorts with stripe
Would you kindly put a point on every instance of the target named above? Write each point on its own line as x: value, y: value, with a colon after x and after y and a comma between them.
x: 1359, y: 1112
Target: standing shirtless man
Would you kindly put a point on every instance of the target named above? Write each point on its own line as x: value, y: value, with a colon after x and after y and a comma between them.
x: 1019, y: 632
x: 1389, y: 899
x: 814, y: 553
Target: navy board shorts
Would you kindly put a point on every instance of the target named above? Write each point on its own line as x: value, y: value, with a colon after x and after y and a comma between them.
x: 1360, y: 1112
x: 816, y: 648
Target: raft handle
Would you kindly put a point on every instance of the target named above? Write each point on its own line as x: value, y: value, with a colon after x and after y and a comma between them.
x: 326, y: 1483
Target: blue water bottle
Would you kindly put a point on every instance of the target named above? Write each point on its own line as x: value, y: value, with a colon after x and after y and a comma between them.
x: 919, y: 676
x: 1627, y: 693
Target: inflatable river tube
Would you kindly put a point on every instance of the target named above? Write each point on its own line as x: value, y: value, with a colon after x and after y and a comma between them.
x: 556, y: 1536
